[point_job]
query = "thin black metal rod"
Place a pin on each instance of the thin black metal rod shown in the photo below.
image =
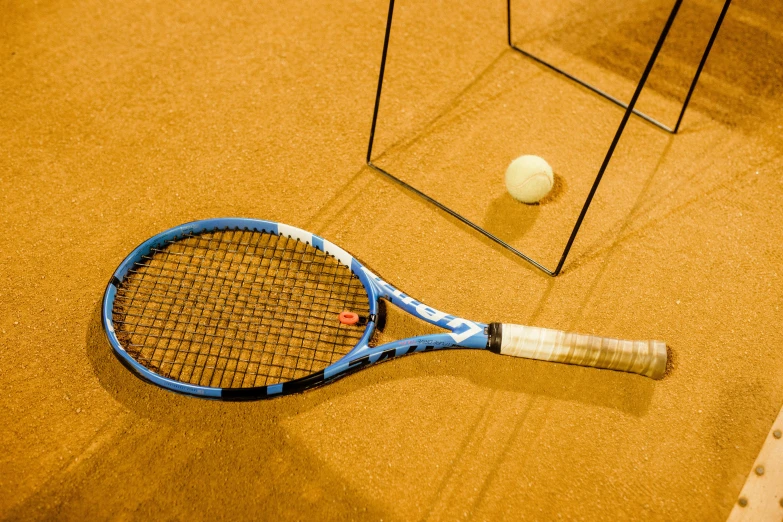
(619, 132)
(380, 79)
(594, 89)
(463, 219)
(702, 62)
(508, 20)
(581, 82)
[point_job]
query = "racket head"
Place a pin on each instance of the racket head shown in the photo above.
(174, 351)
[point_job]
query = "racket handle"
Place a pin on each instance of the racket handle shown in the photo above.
(646, 358)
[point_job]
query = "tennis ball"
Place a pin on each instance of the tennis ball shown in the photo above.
(529, 178)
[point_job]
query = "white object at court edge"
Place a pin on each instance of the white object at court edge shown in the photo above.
(529, 178)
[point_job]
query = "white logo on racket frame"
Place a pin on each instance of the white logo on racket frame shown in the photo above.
(429, 313)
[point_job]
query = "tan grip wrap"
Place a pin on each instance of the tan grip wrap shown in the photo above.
(646, 358)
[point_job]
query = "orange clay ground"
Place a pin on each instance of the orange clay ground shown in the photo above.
(121, 119)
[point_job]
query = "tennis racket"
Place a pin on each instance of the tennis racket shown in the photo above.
(237, 309)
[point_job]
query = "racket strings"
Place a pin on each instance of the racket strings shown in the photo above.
(240, 358)
(237, 308)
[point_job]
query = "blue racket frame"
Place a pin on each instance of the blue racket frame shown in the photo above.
(462, 333)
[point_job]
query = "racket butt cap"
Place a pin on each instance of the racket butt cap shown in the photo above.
(660, 358)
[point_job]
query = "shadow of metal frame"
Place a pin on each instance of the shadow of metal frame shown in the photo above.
(629, 110)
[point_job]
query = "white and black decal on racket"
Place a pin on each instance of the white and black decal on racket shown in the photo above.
(237, 309)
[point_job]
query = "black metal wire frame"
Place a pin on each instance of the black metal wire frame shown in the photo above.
(629, 109)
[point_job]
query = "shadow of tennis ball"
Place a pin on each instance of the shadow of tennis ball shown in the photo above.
(509, 219)
(558, 189)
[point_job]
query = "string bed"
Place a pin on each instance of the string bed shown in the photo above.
(237, 309)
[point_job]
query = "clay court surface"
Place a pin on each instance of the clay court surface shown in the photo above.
(121, 119)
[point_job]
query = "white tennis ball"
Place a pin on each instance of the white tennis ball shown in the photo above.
(529, 178)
